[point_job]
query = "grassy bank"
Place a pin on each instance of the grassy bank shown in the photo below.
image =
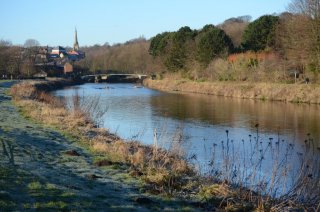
(42, 169)
(163, 173)
(298, 93)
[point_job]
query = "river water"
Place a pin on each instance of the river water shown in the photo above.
(244, 141)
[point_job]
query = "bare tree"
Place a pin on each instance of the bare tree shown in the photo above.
(293, 39)
(31, 43)
(15, 61)
(5, 43)
(4, 57)
(131, 57)
(299, 34)
(31, 49)
(309, 8)
(234, 28)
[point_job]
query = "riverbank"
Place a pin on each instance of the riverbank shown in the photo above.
(48, 163)
(159, 172)
(297, 93)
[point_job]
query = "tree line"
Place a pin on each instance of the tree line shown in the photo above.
(269, 48)
(128, 57)
(18, 61)
(171, 51)
(266, 49)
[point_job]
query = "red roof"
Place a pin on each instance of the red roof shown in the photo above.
(72, 52)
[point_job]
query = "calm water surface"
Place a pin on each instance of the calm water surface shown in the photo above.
(137, 112)
(207, 125)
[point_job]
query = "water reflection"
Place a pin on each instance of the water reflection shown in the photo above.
(294, 120)
(220, 135)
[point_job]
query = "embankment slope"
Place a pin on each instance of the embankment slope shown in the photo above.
(299, 93)
(43, 169)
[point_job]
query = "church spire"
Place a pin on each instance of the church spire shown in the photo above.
(76, 44)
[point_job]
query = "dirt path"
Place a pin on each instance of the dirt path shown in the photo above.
(36, 173)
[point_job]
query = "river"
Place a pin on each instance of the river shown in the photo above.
(243, 141)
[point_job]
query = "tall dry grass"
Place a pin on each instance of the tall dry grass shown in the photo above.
(274, 169)
(297, 93)
(156, 165)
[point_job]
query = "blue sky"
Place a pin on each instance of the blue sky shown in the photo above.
(52, 22)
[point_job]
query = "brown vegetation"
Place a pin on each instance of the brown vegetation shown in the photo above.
(298, 93)
(131, 57)
(47, 109)
(234, 28)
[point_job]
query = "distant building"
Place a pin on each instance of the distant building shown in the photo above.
(43, 51)
(73, 55)
(58, 61)
(58, 50)
(76, 54)
(68, 68)
(76, 44)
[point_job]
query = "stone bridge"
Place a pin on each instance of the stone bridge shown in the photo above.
(115, 78)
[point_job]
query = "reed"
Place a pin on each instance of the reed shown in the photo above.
(272, 168)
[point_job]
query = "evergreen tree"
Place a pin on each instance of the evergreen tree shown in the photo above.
(260, 34)
(159, 43)
(212, 42)
(179, 51)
